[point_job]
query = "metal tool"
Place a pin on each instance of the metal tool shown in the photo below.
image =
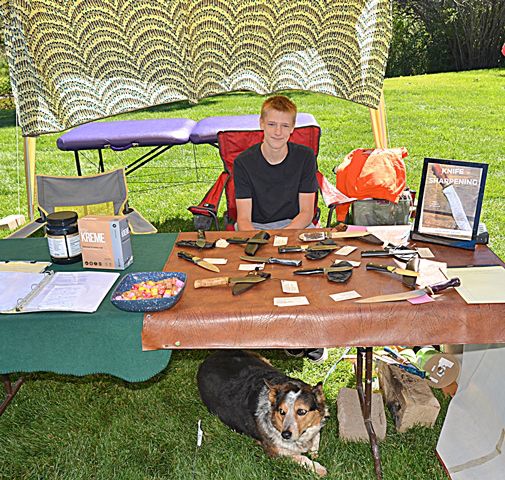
(197, 261)
(200, 242)
(239, 284)
(395, 297)
(391, 269)
(290, 262)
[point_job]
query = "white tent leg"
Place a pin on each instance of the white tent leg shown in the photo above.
(29, 147)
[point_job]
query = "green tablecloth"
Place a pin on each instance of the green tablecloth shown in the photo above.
(107, 341)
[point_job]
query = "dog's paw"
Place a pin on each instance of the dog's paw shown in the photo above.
(310, 464)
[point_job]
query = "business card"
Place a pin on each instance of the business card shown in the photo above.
(290, 286)
(338, 297)
(345, 250)
(216, 261)
(280, 241)
(247, 267)
(290, 301)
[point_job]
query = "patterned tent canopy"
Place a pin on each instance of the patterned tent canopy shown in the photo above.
(74, 61)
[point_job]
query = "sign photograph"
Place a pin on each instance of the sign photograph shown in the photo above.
(450, 202)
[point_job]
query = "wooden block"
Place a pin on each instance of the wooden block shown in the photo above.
(11, 222)
(351, 425)
(408, 397)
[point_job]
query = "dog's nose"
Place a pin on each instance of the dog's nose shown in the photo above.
(286, 434)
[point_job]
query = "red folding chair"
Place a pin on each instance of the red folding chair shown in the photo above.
(231, 144)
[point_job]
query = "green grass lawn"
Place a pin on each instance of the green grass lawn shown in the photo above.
(99, 427)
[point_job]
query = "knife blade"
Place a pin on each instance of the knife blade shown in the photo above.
(290, 262)
(389, 252)
(197, 261)
(201, 241)
(395, 297)
(412, 264)
(306, 248)
(391, 269)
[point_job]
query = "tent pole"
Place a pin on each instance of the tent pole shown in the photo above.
(29, 146)
(379, 126)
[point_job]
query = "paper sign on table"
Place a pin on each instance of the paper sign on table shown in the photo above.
(425, 252)
(338, 297)
(345, 250)
(280, 241)
(354, 263)
(222, 243)
(216, 261)
(251, 266)
(290, 301)
(290, 286)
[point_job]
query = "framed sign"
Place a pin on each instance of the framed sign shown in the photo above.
(450, 202)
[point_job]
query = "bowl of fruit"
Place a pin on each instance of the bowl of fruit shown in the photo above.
(148, 291)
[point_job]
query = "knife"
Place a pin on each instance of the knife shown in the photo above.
(325, 270)
(388, 252)
(318, 236)
(255, 242)
(395, 297)
(200, 242)
(303, 248)
(457, 210)
(239, 284)
(197, 261)
(391, 269)
(290, 262)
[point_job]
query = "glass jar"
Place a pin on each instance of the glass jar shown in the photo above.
(63, 237)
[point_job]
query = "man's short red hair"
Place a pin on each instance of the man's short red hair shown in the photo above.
(279, 103)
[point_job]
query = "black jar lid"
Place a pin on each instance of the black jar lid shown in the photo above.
(61, 219)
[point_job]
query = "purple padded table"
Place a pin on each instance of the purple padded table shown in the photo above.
(161, 134)
(206, 130)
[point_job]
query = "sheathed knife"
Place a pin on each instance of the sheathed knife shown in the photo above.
(303, 248)
(197, 261)
(395, 297)
(391, 269)
(290, 262)
(239, 284)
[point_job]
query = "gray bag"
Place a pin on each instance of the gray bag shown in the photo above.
(374, 211)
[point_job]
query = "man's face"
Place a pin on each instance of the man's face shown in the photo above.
(277, 127)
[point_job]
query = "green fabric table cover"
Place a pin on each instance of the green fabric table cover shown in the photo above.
(70, 343)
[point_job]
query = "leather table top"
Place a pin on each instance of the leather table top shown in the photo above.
(214, 318)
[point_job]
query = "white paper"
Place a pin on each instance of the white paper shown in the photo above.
(216, 261)
(222, 243)
(247, 267)
(280, 241)
(394, 234)
(338, 297)
(480, 284)
(290, 286)
(64, 291)
(290, 301)
(354, 263)
(345, 250)
(425, 252)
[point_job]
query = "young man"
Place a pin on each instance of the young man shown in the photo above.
(275, 181)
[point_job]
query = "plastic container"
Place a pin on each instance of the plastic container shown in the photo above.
(63, 237)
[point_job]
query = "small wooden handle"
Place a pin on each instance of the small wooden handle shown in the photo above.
(211, 282)
(439, 287)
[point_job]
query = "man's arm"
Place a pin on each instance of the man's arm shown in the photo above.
(244, 214)
(306, 205)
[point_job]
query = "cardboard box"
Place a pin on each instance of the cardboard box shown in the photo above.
(105, 242)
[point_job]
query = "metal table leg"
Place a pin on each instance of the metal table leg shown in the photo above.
(10, 391)
(365, 399)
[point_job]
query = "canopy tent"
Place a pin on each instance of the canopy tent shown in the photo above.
(76, 61)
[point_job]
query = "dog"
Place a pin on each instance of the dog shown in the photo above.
(284, 414)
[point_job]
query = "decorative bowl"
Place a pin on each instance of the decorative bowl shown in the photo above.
(146, 304)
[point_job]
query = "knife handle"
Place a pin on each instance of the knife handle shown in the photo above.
(286, 262)
(290, 249)
(186, 256)
(438, 287)
(375, 253)
(377, 267)
(211, 282)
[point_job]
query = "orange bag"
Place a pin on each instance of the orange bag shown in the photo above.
(367, 173)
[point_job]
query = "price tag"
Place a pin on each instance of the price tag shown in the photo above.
(222, 243)
(290, 286)
(280, 241)
(216, 261)
(290, 301)
(338, 297)
(251, 266)
(425, 252)
(345, 250)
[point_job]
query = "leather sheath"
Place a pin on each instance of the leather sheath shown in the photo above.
(214, 318)
(252, 247)
(192, 244)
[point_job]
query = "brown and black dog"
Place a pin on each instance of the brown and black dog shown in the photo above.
(284, 414)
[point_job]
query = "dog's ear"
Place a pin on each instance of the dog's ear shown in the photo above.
(318, 393)
(272, 391)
